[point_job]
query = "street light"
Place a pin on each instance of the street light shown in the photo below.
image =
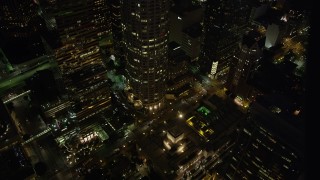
(180, 115)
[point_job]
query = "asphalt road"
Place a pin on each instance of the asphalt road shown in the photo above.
(18, 79)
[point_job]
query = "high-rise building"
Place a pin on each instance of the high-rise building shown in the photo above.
(117, 36)
(177, 60)
(274, 35)
(145, 27)
(224, 23)
(179, 79)
(80, 26)
(182, 17)
(271, 21)
(20, 26)
(248, 58)
(191, 41)
(264, 149)
(115, 9)
(185, 27)
(15, 16)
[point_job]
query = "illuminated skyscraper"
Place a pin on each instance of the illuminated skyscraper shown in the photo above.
(81, 24)
(145, 26)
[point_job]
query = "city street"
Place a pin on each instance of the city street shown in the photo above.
(14, 81)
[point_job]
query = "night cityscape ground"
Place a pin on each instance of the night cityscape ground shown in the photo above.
(153, 89)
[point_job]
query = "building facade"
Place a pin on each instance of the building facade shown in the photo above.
(145, 27)
(15, 17)
(20, 26)
(224, 23)
(81, 26)
(248, 59)
(263, 149)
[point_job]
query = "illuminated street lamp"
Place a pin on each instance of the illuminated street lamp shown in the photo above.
(180, 115)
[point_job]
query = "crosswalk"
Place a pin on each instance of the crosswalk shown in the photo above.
(16, 97)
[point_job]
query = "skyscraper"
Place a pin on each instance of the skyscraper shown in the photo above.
(81, 26)
(264, 149)
(15, 17)
(20, 27)
(117, 35)
(224, 23)
(248, 58)
(115, 9)
(185, 27)
(145, 27)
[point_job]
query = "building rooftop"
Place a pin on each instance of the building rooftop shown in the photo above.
(275, 124)
(181, 90)
(248, 41)
(194, 30)
(176, 53)
(221, 118)
(175, 132)
(167, 159)
(258, 150)
(184, 8)
(289, 108)
(179, 78)
(250, 38)
(271, 16)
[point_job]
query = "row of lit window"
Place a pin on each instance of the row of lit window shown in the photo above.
(136, 50)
